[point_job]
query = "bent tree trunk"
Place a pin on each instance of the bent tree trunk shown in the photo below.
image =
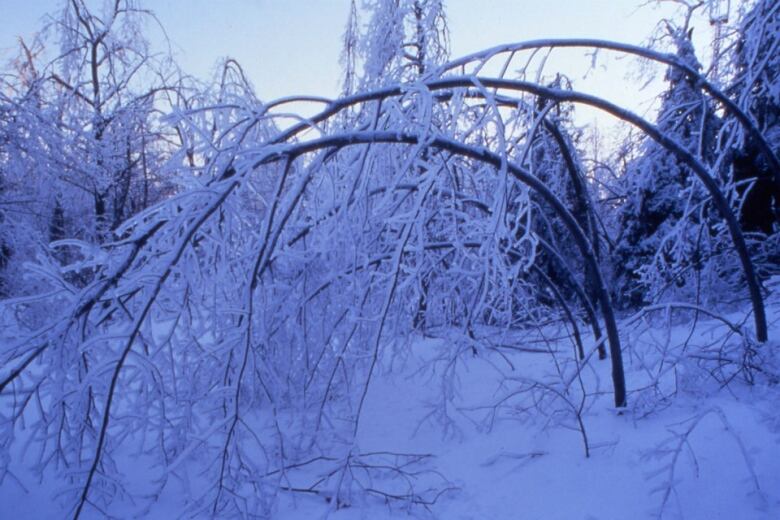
(521, 175)
(479, 86)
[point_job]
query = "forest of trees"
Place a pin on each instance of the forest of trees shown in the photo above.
(179, 262)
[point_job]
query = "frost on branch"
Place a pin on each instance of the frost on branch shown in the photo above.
(233, 330)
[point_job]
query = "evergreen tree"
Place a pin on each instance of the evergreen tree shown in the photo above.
(757, 87)
(656, 239)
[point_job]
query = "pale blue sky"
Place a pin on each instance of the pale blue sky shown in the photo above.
(292, 46)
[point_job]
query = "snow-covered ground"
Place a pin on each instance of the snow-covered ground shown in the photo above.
(494, 432)
(704, 453)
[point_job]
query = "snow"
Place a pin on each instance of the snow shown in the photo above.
(529, 469)
(434, 396)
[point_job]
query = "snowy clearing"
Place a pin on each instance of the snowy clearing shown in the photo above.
(476, 428)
